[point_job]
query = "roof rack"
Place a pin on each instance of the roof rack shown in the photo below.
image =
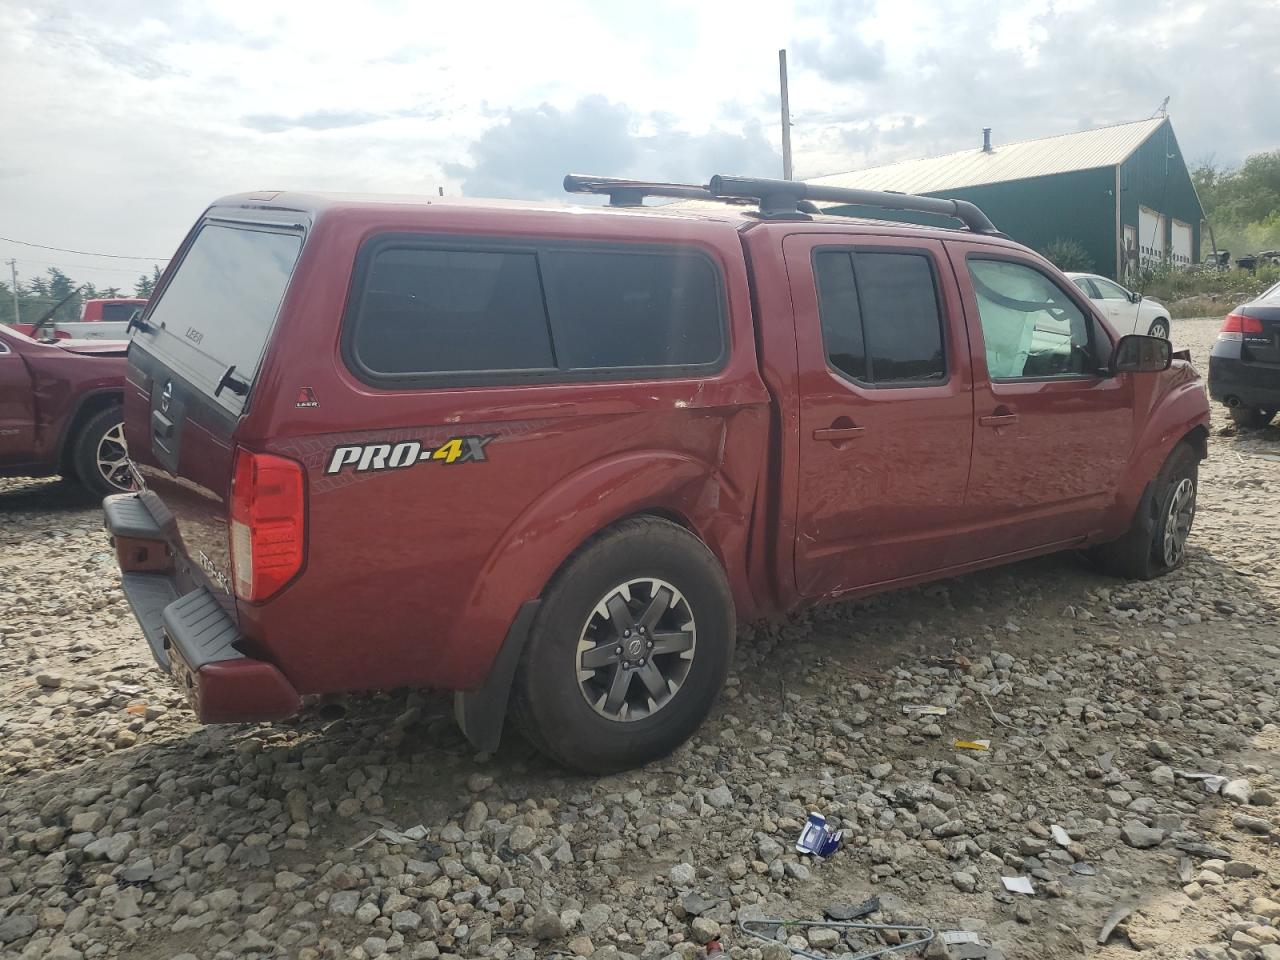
(782, 198)
(778, 199)
(631, 193)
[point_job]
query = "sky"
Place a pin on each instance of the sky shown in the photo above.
(122, 119)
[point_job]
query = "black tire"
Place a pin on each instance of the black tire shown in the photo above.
(1141, 553)
(1255, 417)
(92, 436)
(550, 704)
(1160, 327)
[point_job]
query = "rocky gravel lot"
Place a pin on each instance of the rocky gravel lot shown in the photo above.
(128, 831)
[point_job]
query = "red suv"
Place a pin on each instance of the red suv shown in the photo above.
(549, 456)
(60, 410)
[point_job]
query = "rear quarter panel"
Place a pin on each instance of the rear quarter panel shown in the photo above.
(413, 576)
(62, 381)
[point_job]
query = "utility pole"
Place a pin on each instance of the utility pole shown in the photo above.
(786, 116)
(13, 272)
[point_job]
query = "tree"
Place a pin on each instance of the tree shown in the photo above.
(146, 285)
(62, 287)
(1242, 204)
(1066, 253)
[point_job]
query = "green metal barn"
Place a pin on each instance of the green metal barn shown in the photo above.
(1123, 192)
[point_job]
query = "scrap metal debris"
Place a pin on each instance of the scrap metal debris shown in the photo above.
(1018, 885)
(1117, 916)
(923, 710)
(392, 834)
(766, 931)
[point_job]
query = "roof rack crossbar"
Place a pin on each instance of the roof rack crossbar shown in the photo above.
(782, 197)
(631, 193)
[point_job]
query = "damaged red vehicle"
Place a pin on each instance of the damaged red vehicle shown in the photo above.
(549, 456)
(61, 411)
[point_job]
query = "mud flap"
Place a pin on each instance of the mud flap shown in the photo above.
(480, 713)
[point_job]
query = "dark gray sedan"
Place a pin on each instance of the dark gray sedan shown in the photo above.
(1244, 365)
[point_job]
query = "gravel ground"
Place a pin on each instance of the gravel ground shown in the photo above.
(128, 831)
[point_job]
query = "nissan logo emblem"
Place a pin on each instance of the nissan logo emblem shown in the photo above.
(166, 397)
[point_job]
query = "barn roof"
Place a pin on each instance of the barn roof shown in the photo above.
(1020, 160)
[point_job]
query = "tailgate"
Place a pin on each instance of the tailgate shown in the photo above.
(192, 368)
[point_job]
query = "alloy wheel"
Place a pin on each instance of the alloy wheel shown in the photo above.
(1177, 522)
(636, 649)
(112, 458)
(1159, 329)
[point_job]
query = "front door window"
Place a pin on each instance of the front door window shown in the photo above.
(1031, 328)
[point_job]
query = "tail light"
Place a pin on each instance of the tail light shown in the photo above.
(1236, 325)
(268, 521)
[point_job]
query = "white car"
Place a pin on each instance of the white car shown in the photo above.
(1128, 312)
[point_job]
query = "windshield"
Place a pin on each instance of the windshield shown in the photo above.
(220, 307)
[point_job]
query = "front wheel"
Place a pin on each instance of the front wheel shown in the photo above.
(1255, 417)
(1159, 328)
(100, 456)
(628, 651)
(1156, 542)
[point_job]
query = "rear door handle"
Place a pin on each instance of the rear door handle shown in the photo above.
(998, 420)
(836, 434)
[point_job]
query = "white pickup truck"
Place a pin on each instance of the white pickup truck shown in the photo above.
(100, 319)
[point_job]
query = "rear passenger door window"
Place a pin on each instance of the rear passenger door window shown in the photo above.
(881, 322)
(618, 310)
(479, 314)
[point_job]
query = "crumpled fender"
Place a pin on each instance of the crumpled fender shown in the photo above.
(1168, 406)
(540, 540)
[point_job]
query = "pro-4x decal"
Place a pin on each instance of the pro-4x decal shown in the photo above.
(364, 457)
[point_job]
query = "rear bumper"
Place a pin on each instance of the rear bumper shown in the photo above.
(190, 634)
(1232, 379)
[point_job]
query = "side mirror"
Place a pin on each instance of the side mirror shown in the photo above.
(1141, 354)
(1135, 297)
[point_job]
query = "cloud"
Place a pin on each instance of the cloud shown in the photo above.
(325, 119)
(87, 41)
(1029, 70)
(187, 100)
(528, 152)
(840, 51)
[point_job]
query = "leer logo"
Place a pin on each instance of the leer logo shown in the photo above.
(306, 398)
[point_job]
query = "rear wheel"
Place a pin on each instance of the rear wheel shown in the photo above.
(1256, 417)
(1159, 328)
(101, 457)
(1157, 540)
(628, 651)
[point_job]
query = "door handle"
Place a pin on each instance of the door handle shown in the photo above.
(161, 425)
(998, 420)
(836, 434)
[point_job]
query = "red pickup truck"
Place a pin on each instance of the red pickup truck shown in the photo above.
(551, 455)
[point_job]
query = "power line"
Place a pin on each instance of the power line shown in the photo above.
(134, 271)
(84, 253)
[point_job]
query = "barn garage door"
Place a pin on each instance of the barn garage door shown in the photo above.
(1180, 247)
(1151, 231)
